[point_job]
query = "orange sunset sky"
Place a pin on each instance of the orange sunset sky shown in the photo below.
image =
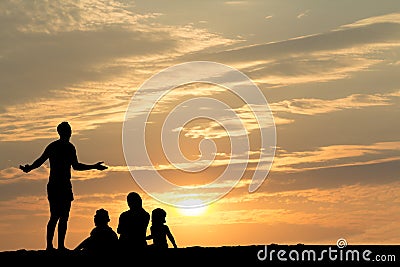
(328, 69)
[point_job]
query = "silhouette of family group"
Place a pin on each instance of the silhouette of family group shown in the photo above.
(132, 228)
(132, 224)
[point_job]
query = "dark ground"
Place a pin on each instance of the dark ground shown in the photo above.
(211, 256)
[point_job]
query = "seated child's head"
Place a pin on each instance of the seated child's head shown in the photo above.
(158, 215)
(101, 217)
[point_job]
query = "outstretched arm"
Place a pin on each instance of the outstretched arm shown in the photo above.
(37, 163)
(83, 167)
(171, 238)
(78, 166)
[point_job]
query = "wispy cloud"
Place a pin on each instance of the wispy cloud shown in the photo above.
(333, 156)
(15, 175)
(336, 156)
(87, 64)
(314, 106)
(303, 14)
(338, 53)
(61, 16)
(321, 57)
(319, 207)
(86, 110)
(235, 3)
(386, 18)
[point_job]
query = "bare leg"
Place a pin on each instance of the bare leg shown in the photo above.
(51, 227)
(62, 231)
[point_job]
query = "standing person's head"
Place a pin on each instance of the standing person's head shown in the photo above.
(101, 217)
(134, 200)
(64, 130)
(158, 216)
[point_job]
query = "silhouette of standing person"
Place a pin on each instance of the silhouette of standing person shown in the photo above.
(132, 224)
(62, 156)
(102, 240)
(159, 231)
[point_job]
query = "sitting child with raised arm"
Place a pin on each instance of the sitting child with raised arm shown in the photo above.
(159, 231)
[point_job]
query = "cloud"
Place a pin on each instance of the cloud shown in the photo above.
(335, 156)
(85, 108)
(324, 158)
(337, 40)
(303, 14)
(310, 106)
(322, 207)
(51, 45)
(314, 106)
(84, 56)
(320, 57)
(386, 18)
(60, 16)
(15, 175)
(331, 209)
(235, 3)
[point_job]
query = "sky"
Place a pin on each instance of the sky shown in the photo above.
(329, 71)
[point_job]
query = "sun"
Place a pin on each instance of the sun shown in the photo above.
(195, 211)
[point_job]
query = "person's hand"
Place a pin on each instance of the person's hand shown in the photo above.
(25, 168)
(99, 166)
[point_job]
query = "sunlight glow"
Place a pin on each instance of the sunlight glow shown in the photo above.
(195, 211)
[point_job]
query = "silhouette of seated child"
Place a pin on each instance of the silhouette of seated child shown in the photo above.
(102, 239)
(159, 231)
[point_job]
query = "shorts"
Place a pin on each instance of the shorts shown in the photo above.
(59, 192)
(60, 199)
(60, 208)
